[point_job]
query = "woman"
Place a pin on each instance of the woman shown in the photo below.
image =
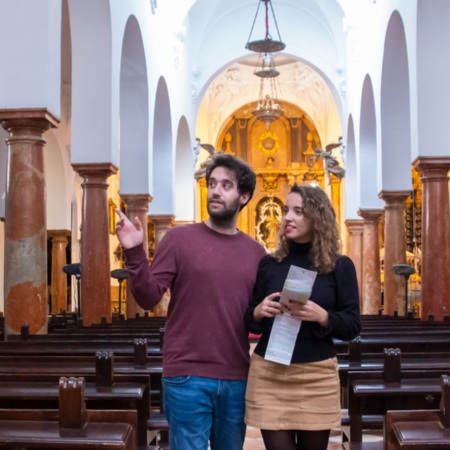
(297, 405)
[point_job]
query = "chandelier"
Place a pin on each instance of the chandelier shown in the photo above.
(266, 45)
(268, 109)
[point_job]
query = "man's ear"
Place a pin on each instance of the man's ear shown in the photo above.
(244, 198)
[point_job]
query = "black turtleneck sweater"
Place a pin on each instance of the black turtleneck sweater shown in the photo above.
(337, 292)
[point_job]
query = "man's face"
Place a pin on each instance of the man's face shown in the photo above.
(224, 199)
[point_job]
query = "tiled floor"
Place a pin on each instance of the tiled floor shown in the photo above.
(253, 440)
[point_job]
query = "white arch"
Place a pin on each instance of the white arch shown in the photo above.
(352, 180)
(368, 160)
(395, 110)
(163, 161)
(184, 174)
(134, 113)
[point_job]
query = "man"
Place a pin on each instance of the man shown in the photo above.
(210, 268)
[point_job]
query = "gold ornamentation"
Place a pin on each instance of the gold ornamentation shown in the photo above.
(270, 182)
(269, 214)
(268, 142)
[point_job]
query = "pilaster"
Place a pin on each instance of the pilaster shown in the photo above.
(355, 229)
(371, 287)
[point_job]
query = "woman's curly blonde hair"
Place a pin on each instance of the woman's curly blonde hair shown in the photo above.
(325, 243)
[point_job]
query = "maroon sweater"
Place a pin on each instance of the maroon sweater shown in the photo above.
(211, 277)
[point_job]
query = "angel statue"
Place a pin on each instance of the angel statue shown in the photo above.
(201, 172)
(331, 163)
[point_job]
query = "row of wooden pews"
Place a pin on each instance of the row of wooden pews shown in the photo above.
(71, 426)
(120, 372)
(396, 364)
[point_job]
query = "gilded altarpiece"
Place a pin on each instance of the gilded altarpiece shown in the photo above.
(281, 155)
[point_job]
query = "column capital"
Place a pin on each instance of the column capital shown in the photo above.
(432, 167)
(162, 219)
(137, 201)
(87, 170)
(394, 196)
(354, 225)
(59, 235)
(370, 214)
(22, 118)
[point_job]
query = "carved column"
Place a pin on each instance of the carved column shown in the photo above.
(25, 282)
(137, 206)
(371, 292)
(435, 236)
(95, 261)
(162, 223)
(59, 278)
(355, 249)
(394, 249)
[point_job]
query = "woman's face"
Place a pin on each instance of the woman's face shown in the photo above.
(297, 227)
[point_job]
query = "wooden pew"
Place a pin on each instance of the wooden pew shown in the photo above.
(73, 427)
(420, 429)
(372, 393)
(19, 359)
(102, 369)
(104, 390)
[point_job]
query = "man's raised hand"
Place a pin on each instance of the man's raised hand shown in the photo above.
(129, 234)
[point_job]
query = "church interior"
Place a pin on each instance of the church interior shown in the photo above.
(109, 104)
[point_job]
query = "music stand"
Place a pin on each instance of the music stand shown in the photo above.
(75, 270)
(120, 275)
(406, 271)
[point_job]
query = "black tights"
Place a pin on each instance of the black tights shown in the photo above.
(295, 439)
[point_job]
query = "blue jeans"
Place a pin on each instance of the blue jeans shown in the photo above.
(201, 409)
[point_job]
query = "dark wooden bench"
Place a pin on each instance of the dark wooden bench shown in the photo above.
(372, 393)
(104, 390)
(420, 429)
(72, 427)
(104, 368)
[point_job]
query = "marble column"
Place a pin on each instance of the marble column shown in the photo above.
(394, 250)
(95, 260)
(162, 223)
(435, 236)
(371, 287)
(59, 278)
(25, 271)
(355, 249)
(136, 206)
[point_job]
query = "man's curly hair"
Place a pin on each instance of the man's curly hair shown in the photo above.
(246, 178)
(325, 244)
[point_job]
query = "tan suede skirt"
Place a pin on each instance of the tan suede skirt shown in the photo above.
(295, 397)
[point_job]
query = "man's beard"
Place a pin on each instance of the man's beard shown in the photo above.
(226, 214)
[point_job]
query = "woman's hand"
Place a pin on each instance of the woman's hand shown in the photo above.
(268, 307)
(309, 311)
